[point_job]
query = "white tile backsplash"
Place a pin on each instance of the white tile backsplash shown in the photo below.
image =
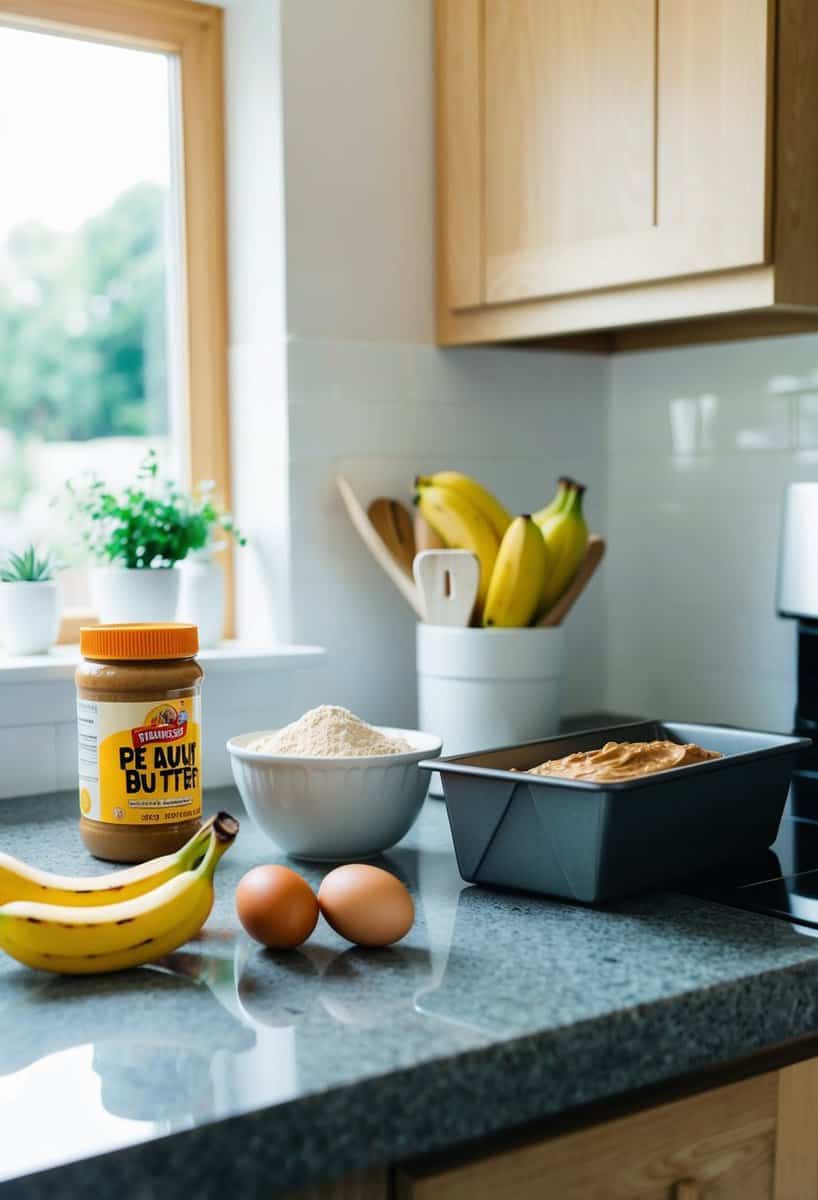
(806, 417)
(36, 703)
(39, 750)
(686, 452)
(702, 443)
(383, 412)
(29, 757)
(65, 744)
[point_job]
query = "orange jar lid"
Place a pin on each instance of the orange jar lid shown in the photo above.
(128, 642)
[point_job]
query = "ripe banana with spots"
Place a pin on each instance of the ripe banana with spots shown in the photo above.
(19, 881)
(481, 498)
(70, 940)
(566, 536)
(462, 527)
(518, 579)
(562, 493)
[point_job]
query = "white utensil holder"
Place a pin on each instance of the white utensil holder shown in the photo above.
(481, 688)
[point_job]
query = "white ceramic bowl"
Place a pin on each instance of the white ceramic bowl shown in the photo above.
(333, 808)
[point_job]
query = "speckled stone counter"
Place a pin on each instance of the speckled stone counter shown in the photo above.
(232, 1070)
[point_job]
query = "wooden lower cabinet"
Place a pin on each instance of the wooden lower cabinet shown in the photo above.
(716, 1146)
(752, 1140)
(796, 1149)
(363, 1185)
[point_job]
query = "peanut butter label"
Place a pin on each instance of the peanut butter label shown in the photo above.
(139, 763)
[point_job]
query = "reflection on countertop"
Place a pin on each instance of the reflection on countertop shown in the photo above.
(497, 1008)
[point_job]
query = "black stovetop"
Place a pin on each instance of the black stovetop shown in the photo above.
(781, 881)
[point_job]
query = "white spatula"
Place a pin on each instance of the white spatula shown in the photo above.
(447, 582)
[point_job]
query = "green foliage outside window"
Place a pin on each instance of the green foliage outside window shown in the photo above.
(82, 324)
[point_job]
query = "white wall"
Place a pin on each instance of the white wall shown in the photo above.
(258, 326)
(702, 442)
(359, 153)
(366, 390)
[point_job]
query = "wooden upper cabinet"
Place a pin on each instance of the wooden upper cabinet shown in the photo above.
(569, 144)
(607, 165)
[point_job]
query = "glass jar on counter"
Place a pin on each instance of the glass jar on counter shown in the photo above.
(139, 737)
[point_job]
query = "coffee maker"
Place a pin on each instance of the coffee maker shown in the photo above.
(783, 880)
(798, 598)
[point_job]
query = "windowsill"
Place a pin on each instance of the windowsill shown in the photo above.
(61, 663)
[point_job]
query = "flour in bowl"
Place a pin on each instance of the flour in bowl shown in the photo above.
(329, 732)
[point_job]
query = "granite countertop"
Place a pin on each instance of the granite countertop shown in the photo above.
(231, 1067)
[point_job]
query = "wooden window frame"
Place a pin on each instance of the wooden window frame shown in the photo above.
(194, 33)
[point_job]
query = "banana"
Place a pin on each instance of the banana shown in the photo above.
(518, 578)
(19, 881)
(497, 516)
(566, 536)
(564, 484)
(82, 941)
(462, 527)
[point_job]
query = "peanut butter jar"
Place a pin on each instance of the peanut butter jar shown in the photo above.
(139, 735)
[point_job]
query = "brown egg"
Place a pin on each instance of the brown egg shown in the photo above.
(276, 906)
(366, 905)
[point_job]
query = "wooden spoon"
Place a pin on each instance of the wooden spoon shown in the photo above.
(426, 538)
(593, 557)
(376, 547)
(394, 526)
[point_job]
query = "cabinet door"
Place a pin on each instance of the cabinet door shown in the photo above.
(716, 1146)
(622, 141)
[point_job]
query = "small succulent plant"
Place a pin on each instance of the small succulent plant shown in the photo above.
(28, 567)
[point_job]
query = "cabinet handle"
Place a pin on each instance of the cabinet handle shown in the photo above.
(686, 1189)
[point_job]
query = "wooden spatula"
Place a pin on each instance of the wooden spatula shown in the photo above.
(377, 549)
(425, 537)
(394, 527)
(447, 583)
(593, 557)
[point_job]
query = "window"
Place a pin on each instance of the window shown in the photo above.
(113, 323)
(90, 345)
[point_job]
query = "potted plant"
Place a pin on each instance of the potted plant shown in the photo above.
(201, 592)
(138, 536)
(29, 603)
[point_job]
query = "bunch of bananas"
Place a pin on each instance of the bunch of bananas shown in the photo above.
(526, 562)
(78, 926)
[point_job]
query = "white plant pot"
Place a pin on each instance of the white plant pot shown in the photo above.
(130, 594)
(483, 688)
(201, 599)
(29, 616)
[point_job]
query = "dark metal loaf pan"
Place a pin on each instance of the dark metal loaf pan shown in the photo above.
(593, 841)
